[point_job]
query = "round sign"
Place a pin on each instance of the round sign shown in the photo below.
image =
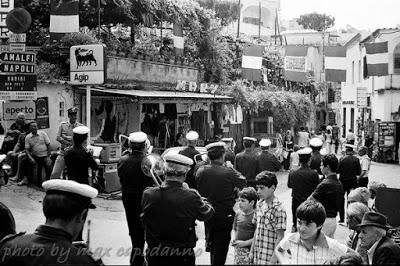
(41, 106)
(18, 20)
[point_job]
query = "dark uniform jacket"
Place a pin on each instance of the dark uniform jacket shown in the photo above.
(7, 222)
(47, 246)
(190, 152)
(386, 253)
(315, 162)
(132, 178)
(349, 169)
(303, 182)
(267, 161)
(330, 193)
(246, 163)
(217, 183)
(169, 215)
(78, 161)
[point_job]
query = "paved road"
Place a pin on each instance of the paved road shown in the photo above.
(109, 232)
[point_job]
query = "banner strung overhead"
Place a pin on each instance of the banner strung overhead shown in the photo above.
(295, 63)
(252, 62)
(377, 59)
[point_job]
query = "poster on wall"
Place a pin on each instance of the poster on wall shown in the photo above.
(42, 112)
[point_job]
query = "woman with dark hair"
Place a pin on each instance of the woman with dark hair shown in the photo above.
(78, 159)
(288, 144)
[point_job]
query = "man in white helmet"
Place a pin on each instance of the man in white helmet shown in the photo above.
(191, 152)
(133, 183)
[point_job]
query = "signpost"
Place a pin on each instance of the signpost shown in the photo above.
(17, 76)
(87, 67)
(5, 7)
(362, 96)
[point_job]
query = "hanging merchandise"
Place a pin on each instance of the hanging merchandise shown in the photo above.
(170, 111)
(239, 114)
(162, 108)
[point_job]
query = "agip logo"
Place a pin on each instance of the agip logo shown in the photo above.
(87, 64)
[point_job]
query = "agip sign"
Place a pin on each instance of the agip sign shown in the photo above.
(87, 64)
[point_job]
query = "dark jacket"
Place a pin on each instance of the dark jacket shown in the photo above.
(386, 253)
(267, 161)
(133, 180)
(44, 241)
(78, 161)
(7, 222)
(246, 163)
(330, 193)
(169, 213)
(191, 153)
(217, 183)
(315, 162)
(303, 182)
(349, 168)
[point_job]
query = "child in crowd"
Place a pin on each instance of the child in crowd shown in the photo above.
(309, 245)
(243, 226)
(294, 159)
(270, 220)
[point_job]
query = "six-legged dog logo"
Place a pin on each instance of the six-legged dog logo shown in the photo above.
(84, 57)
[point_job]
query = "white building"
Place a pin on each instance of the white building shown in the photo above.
(381, 94)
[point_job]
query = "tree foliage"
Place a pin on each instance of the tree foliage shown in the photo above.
(316, 21)
(226, 11)
(289, 109)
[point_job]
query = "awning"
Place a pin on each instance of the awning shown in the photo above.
(162, 96)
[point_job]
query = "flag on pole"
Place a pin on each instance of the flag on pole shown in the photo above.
(377, 59)
(335, 63)
(295, 63)
(64, 16)
(252, 62)
(179, 41)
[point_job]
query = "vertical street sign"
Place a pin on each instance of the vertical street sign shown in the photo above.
(362, 96)
(5, 7)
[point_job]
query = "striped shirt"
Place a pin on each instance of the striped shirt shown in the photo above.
(324, 251)
(269, 218)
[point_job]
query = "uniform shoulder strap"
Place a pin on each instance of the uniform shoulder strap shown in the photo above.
(11, 237)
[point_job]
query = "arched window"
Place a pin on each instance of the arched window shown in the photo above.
(396, 57)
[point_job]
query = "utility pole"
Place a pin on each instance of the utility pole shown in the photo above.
(99, 19)
(259, 20)
(238, 26)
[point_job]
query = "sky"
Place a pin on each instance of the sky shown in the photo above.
(361, 14)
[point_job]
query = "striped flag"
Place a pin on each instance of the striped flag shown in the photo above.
(64, 16)
(295, 63)
(335, 63)
(377, 59)
(179, 41)
(252, 62)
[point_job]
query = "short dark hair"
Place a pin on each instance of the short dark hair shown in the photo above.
(63, 205)
(311, 211)
(247, 143)
(138, 146)
(216, 153)
(332, 161)
(250, 194)
(301, 128)
(266, 178)
(304, 158)
(78, 139)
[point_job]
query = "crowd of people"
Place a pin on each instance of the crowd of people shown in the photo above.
(229, 192)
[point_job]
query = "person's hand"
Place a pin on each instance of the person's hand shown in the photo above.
(238, 243)
(228, 164)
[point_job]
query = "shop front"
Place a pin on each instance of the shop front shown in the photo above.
(160, 114)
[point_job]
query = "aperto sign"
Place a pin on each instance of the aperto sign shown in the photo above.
(87, 64)
(11, 109)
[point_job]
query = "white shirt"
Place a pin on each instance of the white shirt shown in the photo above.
(365, 162)
(325, 250)
(304, 137)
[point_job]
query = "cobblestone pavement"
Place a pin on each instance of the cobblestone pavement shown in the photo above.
(109, 232)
